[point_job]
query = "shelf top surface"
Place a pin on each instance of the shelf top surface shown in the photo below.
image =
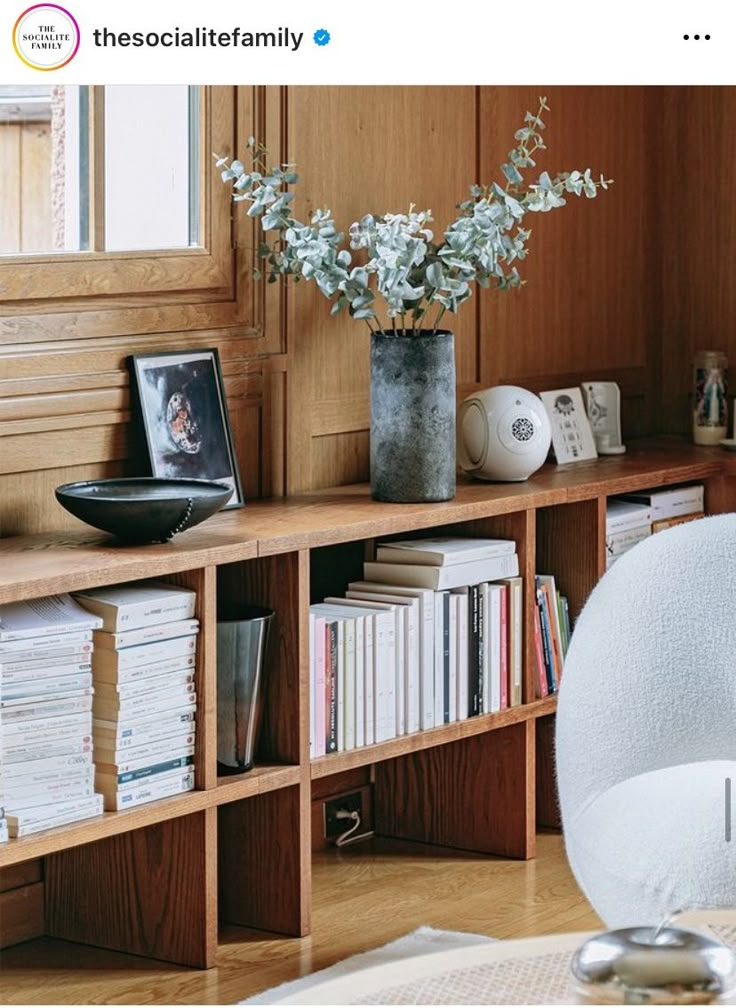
(43, 564)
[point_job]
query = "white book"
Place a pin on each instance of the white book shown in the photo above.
(621, 542)
(45, 767)
(670, 502)
(439, 664)
(111, 661)
(493, 637)
(462, 656)
(25, 823)
(338, 615)
(138, 604)
(124, 765)
(37, 797)
(440, 578)
(162, 700)
(106, 753)
(4, 835)
(14, 784)
(312, 701)
(318, 664)
(443, 551)
(45, 687)
(59, 748)
(16, 733)
(42, 707)
(393, 667)
(39, 666)
(411, 637)
(452, 680)
(43, 617)
(145, 635)
(144, 728)
(485, 650)
(425, 628)
(360, 622)
(622, 515)
(144, 673)
(516, 639)
(149, 790)
(145, 687)
(59, 643)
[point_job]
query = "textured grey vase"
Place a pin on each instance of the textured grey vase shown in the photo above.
(412, 416)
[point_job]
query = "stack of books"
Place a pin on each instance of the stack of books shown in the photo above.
(46, 695)
(431, 635)
(143, 668)
(552, 631)
(635, 516)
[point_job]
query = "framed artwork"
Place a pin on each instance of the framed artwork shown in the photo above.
(572, 437)
(184, 417)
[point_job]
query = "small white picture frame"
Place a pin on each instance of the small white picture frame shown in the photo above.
(572, 437)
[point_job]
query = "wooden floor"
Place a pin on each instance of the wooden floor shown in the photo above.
(364, 896)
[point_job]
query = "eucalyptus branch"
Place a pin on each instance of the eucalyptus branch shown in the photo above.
(403, 264)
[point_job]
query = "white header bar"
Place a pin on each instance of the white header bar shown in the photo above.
(166, 42)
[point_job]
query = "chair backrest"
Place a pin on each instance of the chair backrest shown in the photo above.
(650, 676)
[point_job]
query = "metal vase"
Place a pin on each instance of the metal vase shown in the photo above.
(241, 647)
(412, 437)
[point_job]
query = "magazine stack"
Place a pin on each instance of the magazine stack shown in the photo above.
(46, 695)
(145, 697)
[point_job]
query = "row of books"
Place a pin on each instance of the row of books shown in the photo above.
(630, 518)
(46, 692)
(419, 642)
(97, 702)
(143, 667)
(552, 631)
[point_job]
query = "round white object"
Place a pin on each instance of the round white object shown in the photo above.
(503, 433)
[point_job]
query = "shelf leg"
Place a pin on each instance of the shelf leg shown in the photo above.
(265, 861)
(474, 794)
(149, 891)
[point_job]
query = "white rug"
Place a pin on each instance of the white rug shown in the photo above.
(424, 939)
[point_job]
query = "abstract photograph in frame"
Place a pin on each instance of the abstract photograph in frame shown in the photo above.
(185, 417)
(572, 436)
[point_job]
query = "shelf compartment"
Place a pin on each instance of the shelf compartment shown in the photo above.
(324, 766)
(475, 794)
(151, 892)
(264, 861)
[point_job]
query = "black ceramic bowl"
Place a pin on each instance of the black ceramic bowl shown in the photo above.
(143, 509)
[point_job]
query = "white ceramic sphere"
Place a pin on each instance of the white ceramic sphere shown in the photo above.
(503, 433)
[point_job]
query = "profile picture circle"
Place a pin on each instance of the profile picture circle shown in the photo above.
(46, 37)
(181, 424)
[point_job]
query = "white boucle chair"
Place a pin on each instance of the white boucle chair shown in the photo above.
(646, 729)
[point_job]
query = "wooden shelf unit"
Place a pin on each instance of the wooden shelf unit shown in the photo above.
(146, 880)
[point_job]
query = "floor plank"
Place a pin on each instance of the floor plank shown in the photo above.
(364, 896)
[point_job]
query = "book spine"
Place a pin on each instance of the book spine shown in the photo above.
(161, 700)
(331, 693)
(445, 657)
(21, 825)
(145, 635)
(452, 681)
(37, 798)
(149, 790)
(15, 733)
(546, 642)
(136, 615)
(43, 709)
(127, 776)
(516, 599)
(133, 756)
(319, 686)
(370, 679)
(28, 688)
(426, 685)
(411, 663)
(145, 687)
(144, 654)
(348, 684)
(360, 623)
(140, 730)
(439, 664)
(45, 768)
(494, 597)
(47, 642)
(504, 638)
(484, 648)
(475, 674)
(142, 673)
(45, 668)
(463, 631)
(542, 684)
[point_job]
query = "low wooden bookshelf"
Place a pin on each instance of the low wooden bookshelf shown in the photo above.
(155, 880)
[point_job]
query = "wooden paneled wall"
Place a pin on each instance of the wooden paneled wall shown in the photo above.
(623, 287)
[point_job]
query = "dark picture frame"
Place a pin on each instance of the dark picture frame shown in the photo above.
(184, 417)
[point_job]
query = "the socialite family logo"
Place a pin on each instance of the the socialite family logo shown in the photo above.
(46, 37)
